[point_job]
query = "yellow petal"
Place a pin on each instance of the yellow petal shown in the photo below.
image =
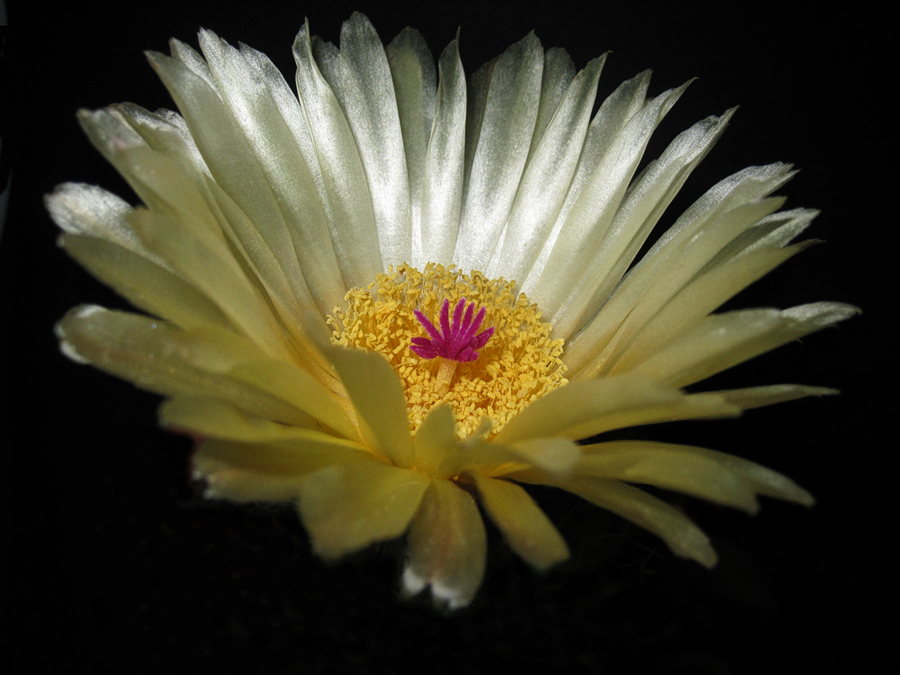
(583, 409)
(673, 467)
(205, 261)
(447, 546)
(345, 508)
(682, 536)
(755, 397)
(700, 297)
(143, 282)
(760, 479)
(435, 443)
(214, 418)
(158, 356)
(525, 527)
(266, 471)
(377, 396)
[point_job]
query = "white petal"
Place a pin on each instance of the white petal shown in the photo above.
(547, 177)
(353, 231)
(503, 105)
(442, 188)
(724, 340)
(257, 98)
(415, 85)
(360, 77)
(90, 210)
(709, 225)
(591, 216)
(645, 202)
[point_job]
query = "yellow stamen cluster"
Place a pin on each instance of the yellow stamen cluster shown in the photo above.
(519, 364)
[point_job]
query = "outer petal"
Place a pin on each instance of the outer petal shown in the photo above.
(672, 467)
(213, 418)
(210, 362)
(547, 177)
(583, 409)
(724, 340)
(347, 507)
(267, 471)
(645, 202)
(695, 301)
(442, 187)
(525, 527)
(703, 231)
(230, 154)
(256, 96)
(360, 77)
(353, 230)
(682, 536)
(503, 107)
(447, 546)
(585, 225)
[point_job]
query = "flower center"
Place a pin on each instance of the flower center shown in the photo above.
(493, 373)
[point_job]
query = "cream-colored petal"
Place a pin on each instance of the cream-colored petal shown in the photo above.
(442, 188)
(669, 279)
(646, 200)
(88, 210)
(349, 201)
(436, 448)
(673, 467)
(709, 225)
(144, 283)
(360, 77)
(614, 113)
(213, 418)
(721, 341)
(556, 80)
(255, 95)
(547, 177)
(266, 471)
(592, 214)
(447, 547)
(207, 264)
(503, 106)
(556, 456)
(229, 152)
(158, 159)
(760, 479)
(415, 84)
(681, 535)
(347, 507)
(525, 527)
(695, 301)
(156, 355)
(377, 396)
(582, 409)
(755, 397)
(165, 168)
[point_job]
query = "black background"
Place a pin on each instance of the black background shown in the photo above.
(119, 568)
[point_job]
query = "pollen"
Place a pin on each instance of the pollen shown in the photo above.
(503, 356)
